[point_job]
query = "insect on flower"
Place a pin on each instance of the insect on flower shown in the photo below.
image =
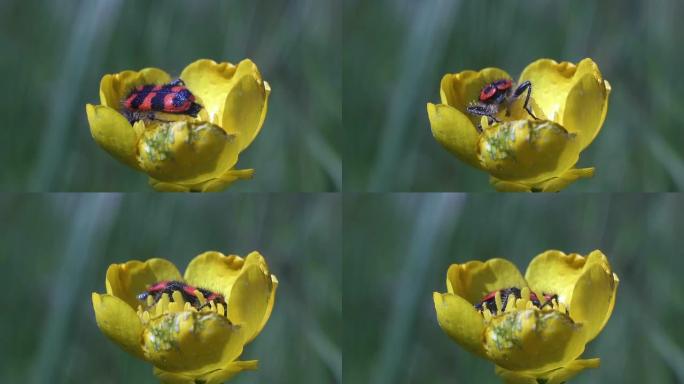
(144, 101)
(187, 291)
(497, 93)
(489, 301)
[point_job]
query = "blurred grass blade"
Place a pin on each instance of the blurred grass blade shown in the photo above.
(426, 40)
(93, 25)
(667, 156)
(93, 217)
(438, 214)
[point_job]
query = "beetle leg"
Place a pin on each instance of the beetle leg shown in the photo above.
(526, 86)
(480, 109)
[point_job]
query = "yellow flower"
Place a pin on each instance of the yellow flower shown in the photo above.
(521, 153)
(532, 328)
(188, 343)
(179, 152)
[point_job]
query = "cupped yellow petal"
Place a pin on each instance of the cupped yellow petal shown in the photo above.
(126, 281)
(114, 133)
(526, 150)
(252, 296)
(555, 272)
(214, 271)
(554, 184)
(553, 81)
(115, 87)
(119, 322)
(186, 152)
(531, 339)
(460, 89)
(585, 108)
(475, 279)
(190, 342)
(245, 105)
(593, 298)
(460, 320)
(515, 377)
(215, 377)
(455, 132)
(212, 82)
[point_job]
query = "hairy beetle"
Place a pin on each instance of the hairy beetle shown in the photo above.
(144, 100)
(188, 291)
(489, 301)
(497, 93)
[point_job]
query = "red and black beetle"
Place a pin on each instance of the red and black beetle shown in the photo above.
(144, 100)
(187, 291)
(497, 93)
(489, 301)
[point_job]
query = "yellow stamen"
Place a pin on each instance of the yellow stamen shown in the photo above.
(510, 304)
(487, 315)
(150, 301)
(497, 299)
(220, 309)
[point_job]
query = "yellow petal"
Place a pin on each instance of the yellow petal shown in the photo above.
(460, 89)
(190, 342)
(252, 296)
(533, 340)
(475, 279)
(528, 151)
(593, 298)
(127, 281)
(214, 271)
(212, 82)
(556, 376)
(585, 108)
(245, 106)
(119, 322)
(460, 320)
(222, 182)
(114, 133)
(215, 377)
(568, 177)
(114, 88)
(569, 371)
(455, 132)
(554, 184)
(212, 185)
(555, 272)
(515, 377)
(552, 82)
(186, 152)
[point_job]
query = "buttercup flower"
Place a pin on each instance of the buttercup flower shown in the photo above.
(533, 328)
(179, 152)
(519, 152)
(188, 339)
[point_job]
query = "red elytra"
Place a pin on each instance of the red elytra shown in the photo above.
(494, 88)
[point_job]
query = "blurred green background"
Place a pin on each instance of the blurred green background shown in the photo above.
(56, 52)
(55, 250)
(398, 249)
(396, 52)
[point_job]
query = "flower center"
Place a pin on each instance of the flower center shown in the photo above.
(511, 298)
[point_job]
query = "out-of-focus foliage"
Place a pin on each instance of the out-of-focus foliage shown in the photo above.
(56, 52)
(396, 51)
(397, 248)
(55, 250)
